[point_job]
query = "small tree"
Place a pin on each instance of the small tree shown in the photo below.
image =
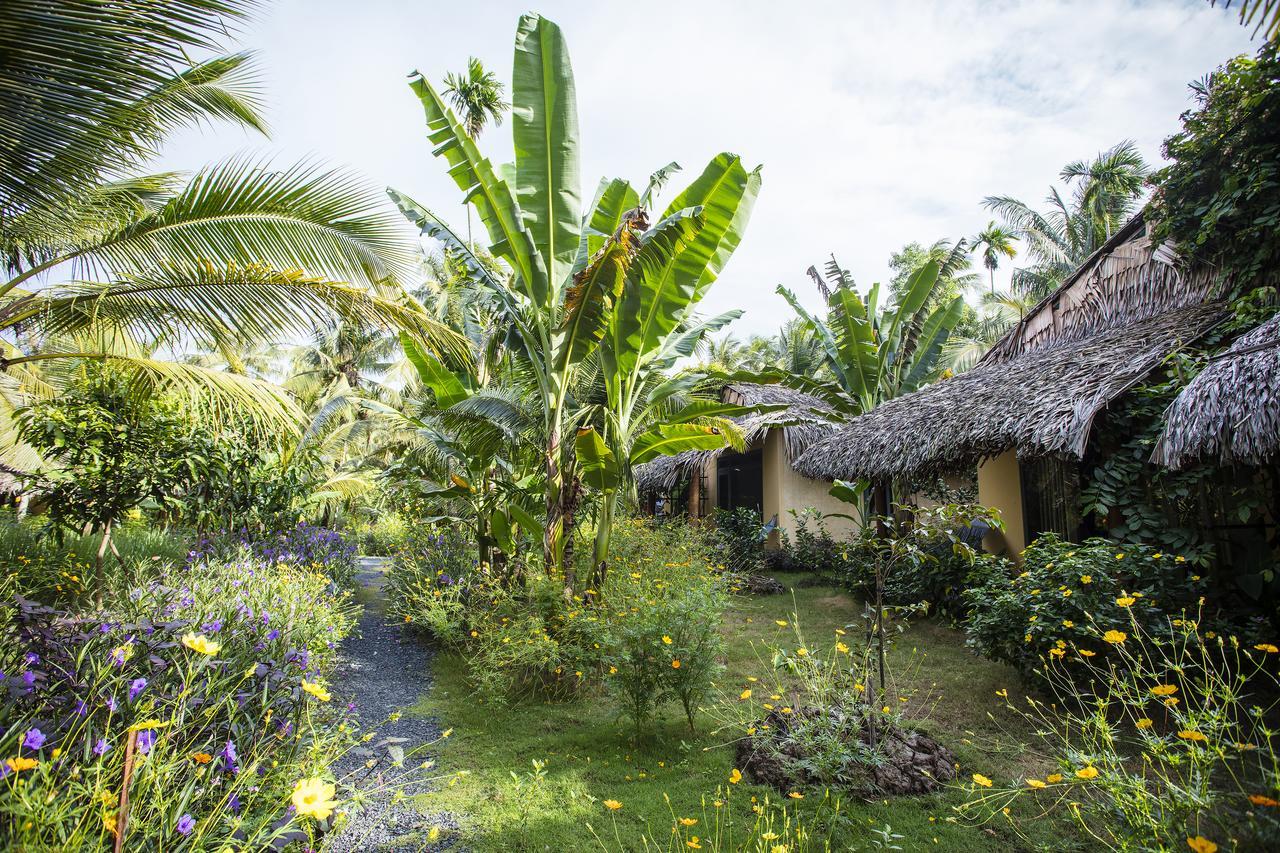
(111, 449)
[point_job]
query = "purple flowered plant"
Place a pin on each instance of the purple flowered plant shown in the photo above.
(185, 824)
(136, 687)
(146, 740)
(34, 740)
(101, 746)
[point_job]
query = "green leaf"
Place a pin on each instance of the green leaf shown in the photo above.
(526, 520)
(436, 228)
(447, 387)
(715, 409)
(613, 199)
(599, 467)
(670, 439)
(545, 131)
(589, 301)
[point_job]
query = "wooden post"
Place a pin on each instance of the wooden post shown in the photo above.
(122, 817)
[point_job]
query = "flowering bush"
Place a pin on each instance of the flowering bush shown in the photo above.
(651, 633)
(303, 546)
(194, 712)
(1165, 744)
(1068, 597)
(384, 535)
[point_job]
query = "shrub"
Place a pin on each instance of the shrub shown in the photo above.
(303, 546)
(383, 535)
(738, 540)
(1165, 742)
(814, 549)
(1069, 596)
(203, 698)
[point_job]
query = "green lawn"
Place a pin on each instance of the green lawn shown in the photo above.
(589, 756)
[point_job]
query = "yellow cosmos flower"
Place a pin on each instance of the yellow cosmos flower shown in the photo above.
(1200, 844)
(693, 843)
(1089, 772)
(842, 648)
(1164, 690)
(314, 798)
(1261, 800)
(20, 763)
(1269, 648)
(1144, 723)
(1126, 600)
(316, 690)
(1035, 783)
(1053, 778)
(666, 640)
(979, 779)
(1192, 734)
(1115, 637)
(612, 805)
(1086, 653)
(746, 694)
(781, 623)
(1067, 623)
(1086, 579)
(796, 795)
(675, 664)
(200, 643)
(802, 652)
(735, 777)
(688, 821)
(201, 757)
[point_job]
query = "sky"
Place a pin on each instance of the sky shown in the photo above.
(876, 123)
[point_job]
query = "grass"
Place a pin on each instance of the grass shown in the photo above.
(589, 756)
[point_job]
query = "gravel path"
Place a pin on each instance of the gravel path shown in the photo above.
(385, 670)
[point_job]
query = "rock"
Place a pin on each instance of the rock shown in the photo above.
(759, 584)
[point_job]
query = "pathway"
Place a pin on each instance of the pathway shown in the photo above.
(386, 670)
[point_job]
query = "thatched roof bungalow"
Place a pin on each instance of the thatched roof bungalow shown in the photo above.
(1230, 413)
(1030, 405)
(762, 477)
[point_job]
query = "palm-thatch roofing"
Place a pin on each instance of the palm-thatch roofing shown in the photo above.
(803, 422)
(1231, 411)
(1039, 389)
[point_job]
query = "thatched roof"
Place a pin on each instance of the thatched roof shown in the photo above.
(1041, 386)
(803, 422)
(1231, 411)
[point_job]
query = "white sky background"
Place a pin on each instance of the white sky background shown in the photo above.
(877, 123)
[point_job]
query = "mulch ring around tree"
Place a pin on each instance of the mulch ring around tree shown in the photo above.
(904, 761)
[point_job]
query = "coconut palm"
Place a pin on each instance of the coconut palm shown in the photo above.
(996, 242)
(477, 98)
(100, 257)
(1106, 193)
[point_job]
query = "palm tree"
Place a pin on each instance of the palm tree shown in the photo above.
(477, 98)
(1106, 193)
(241, 252)
(996, 241)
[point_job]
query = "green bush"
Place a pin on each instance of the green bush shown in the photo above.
(383, 535)
(651, 634)
(1069, 596)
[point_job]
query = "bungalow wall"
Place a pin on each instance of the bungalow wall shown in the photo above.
(1000, 486)
(785, 490)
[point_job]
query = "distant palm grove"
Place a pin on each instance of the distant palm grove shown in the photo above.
(342, 518)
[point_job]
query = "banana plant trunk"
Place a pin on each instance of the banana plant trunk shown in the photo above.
(604, 535)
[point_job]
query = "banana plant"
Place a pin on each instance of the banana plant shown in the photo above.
(877, 355)
(574, 280)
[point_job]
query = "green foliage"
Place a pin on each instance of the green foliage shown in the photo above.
(114, 450)
(1219, 201)
(738, 539)
(1068, 596)
(1165, 743)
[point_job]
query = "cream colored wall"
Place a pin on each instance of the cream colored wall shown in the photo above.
(786, 490)
(1000, 486)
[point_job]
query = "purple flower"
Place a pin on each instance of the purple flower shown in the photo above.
(29, 678)
(212, 627)
(111, 704)
(136, 687)
(273, 634)
(31, 658)
(233, 803)
(186, 823)
(146, 740)
(101, 746)
(81, 708)
(34, 739)
(229, 756)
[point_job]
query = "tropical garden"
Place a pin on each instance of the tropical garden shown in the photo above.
(322, 527)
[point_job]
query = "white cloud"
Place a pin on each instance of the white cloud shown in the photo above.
(877, 123)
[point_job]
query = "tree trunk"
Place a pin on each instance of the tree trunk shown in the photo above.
(552, 535)
(604, 535)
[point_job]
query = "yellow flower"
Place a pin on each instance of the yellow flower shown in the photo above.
(1053, 778)
(613, 670)
(612, 805)
(201, 757)
(1067, 623)
(1181, 560)
(1003, 693)
(802, 652)
(1269, 648)
(1126, 600)
(1192, 734)
(1164, 690)
(796, 795)
(675, 664)
(688, 821)
(693, 844)
(1144, 723)
(735, 777)
(1086, 579)
(1086, 653)
(200, 643)
(979, 779)
(778, 848)
(842, 648)
(1119, 556)
(316, 690)
(782, 623)
(19, 763)
(314, 798)
(666, 640)
(1115, 637)
(1261, 800)
(746, 694)
(1089, 772)
(144, 725)
(1035, 783)
(1200, 844)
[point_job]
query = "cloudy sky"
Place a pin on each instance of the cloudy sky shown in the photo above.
(877, 123)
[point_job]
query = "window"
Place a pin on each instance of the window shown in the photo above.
(1050, 497)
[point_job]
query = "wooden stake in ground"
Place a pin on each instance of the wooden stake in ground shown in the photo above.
(122, 817)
